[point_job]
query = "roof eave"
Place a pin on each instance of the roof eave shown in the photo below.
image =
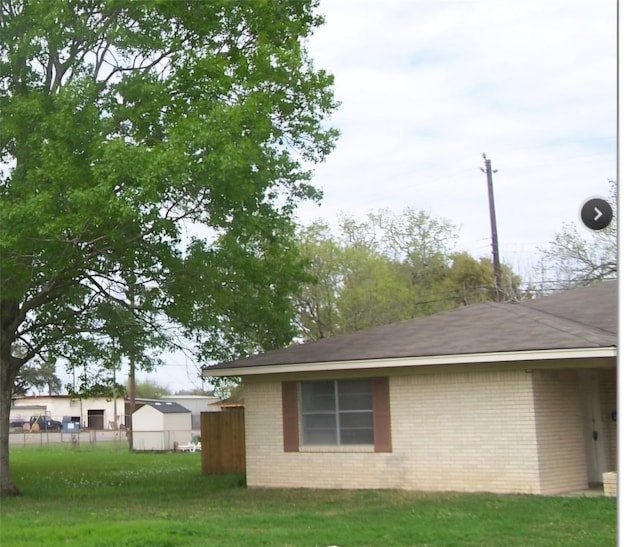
(397, 362)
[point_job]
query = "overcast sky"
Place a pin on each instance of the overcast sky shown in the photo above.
(428, 86)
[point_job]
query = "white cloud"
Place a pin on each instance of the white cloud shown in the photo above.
(428, 86)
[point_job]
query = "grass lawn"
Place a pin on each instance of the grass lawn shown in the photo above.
(103, 495)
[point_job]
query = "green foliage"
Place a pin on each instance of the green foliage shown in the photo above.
(153, 154)
(151, 389)
(40, 376)
(387, 268)
(470, 281)
(373, 291)
(94, 381)
(317, 300)
(104, 495)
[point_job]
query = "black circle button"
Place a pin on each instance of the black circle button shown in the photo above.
(596, 214)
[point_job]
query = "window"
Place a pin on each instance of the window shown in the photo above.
(336, 412)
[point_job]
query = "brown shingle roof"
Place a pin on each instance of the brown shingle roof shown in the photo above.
(580, 318)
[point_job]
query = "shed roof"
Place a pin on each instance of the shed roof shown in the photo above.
(166, 407)
(580, 318)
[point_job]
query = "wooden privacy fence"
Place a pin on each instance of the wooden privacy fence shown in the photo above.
(223, 448)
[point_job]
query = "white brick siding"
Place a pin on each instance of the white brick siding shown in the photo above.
(467, 431)
(559, 429)
(464, 432)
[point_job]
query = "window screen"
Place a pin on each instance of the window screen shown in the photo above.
(336, 412)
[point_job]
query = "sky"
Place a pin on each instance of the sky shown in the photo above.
(428, 86)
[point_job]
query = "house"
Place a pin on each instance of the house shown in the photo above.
(493, 397)
(161, 425)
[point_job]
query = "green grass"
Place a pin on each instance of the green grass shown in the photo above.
(102, 495)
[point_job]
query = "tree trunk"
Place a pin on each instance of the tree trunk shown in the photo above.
(8, 369)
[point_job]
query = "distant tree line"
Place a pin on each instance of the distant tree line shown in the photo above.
(386, 268)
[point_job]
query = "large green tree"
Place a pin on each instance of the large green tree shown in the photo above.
(387, 268)
(152, 156)
(469, 280)
(417, 243)
(317, 300)
(352, 286)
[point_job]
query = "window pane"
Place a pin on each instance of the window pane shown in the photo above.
(354, 386)
(354, 395)
(356, 419)
(355, 402)
(320, 436)
(315, 421)
(356, 436)
(318, 396)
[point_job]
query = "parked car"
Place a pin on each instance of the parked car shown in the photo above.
(45, 423)
(18, 422)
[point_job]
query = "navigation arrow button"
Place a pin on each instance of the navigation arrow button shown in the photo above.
(596, 214)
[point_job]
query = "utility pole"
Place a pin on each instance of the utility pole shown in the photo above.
(494, 230)
(132, 398)
(115, 403)
(132, 365)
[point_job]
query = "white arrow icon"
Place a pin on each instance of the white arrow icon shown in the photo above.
(599, 213)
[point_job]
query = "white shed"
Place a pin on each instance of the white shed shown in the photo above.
(160, 425)
(195, 404)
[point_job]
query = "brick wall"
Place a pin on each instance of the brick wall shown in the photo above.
(559, 429)
(466, 431)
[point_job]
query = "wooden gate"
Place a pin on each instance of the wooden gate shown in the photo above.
(223, 448)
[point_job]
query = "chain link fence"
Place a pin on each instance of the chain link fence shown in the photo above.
(42, 438)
